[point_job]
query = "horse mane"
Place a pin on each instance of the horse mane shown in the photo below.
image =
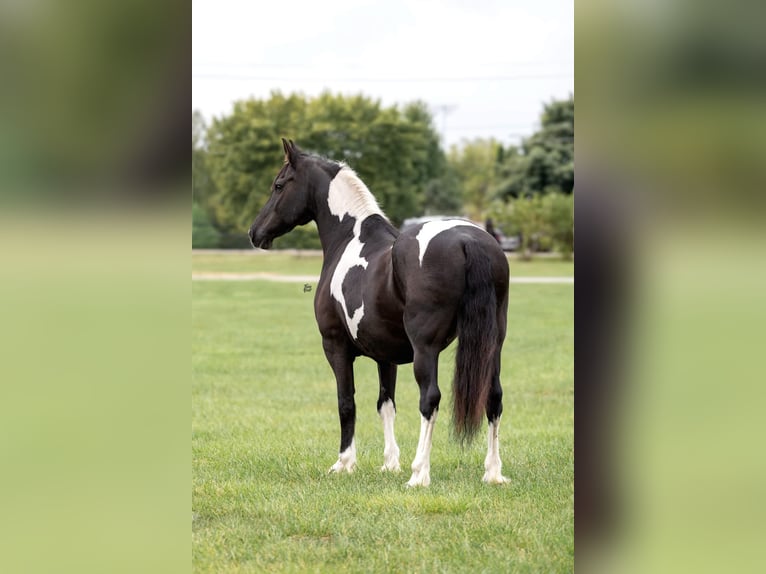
(349, 194)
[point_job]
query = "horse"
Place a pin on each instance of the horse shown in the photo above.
(397, 298)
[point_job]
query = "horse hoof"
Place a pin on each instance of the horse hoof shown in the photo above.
(495, 479)
(339, 467)
(418, 480)
(391, 468)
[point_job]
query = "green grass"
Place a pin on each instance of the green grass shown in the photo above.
(265, 432)
(310, 264)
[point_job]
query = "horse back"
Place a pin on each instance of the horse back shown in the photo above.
(429, 264)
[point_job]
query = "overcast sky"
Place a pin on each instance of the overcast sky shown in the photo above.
(484, 66)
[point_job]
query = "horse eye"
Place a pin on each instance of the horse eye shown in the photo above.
(278, 187)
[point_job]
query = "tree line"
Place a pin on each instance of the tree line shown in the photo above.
(395, 149)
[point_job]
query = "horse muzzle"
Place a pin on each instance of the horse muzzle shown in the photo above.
(259, 240)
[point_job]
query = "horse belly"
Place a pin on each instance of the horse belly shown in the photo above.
(381, 333)
(388, 345)
(385, 342)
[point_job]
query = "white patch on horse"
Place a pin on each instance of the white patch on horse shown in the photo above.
(421, 466)
(349, 195)
(346, 460)
(391, 449)
(433, 228)
(492, 465)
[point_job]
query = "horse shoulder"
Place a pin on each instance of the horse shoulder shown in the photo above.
(326, 310)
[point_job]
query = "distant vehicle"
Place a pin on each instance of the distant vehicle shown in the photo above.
(511, 243)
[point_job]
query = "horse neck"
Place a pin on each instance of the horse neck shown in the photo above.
(342, 210)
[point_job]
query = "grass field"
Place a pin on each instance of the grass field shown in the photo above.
(265, 432)
(309, 263)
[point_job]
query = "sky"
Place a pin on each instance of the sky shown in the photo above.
(484, 67)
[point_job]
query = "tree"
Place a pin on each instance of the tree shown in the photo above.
(560, 212)
(204, 235)
(442, 196)
(545, 159)
(202, 184)
(543, 220)
(474, 163)
(395, 151)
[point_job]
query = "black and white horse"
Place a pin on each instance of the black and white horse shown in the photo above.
(397, 298)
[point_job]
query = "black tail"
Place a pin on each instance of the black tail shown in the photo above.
(477, 342)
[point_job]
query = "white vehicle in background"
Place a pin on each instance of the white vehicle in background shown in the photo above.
(511, 243)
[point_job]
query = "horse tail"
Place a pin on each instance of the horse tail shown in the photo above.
(477, 332)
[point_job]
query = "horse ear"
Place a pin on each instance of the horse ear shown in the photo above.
(291, 151)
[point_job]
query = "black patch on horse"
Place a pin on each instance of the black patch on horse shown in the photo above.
(351, 291)
(370, 235)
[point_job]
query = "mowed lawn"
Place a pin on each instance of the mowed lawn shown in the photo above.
(310, 263)
(265, 431)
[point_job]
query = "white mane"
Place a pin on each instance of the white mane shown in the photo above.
(349, 195)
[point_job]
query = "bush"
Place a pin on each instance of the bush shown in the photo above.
(235, 240)
(544, 222)
(560, 214)
(204, 234)
(302, 237)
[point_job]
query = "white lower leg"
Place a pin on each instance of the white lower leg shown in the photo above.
(492, 465)
(421, 466)
(346, 460)
(391, 449)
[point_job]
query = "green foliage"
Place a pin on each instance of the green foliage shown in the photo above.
(474, 163)
(204, 235)
(524, 216)
(202, 184)
(545, 159)
(302, 237)
(442, 196)
(544, 221)
(394, 150)
(560, 209)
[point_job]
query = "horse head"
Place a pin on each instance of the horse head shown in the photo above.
(289, 204)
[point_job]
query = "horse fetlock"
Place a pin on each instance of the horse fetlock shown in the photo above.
(341, 466)
(391, 459)
(346, 460)
(420, 477)
(391, 467)
(493, 472)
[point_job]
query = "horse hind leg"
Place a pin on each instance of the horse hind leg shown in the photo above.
(492, 464)
(387, 412)
(426, 365)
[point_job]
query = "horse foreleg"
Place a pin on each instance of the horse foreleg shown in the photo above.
(426, 365)
(387, 412)
(342, 364)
